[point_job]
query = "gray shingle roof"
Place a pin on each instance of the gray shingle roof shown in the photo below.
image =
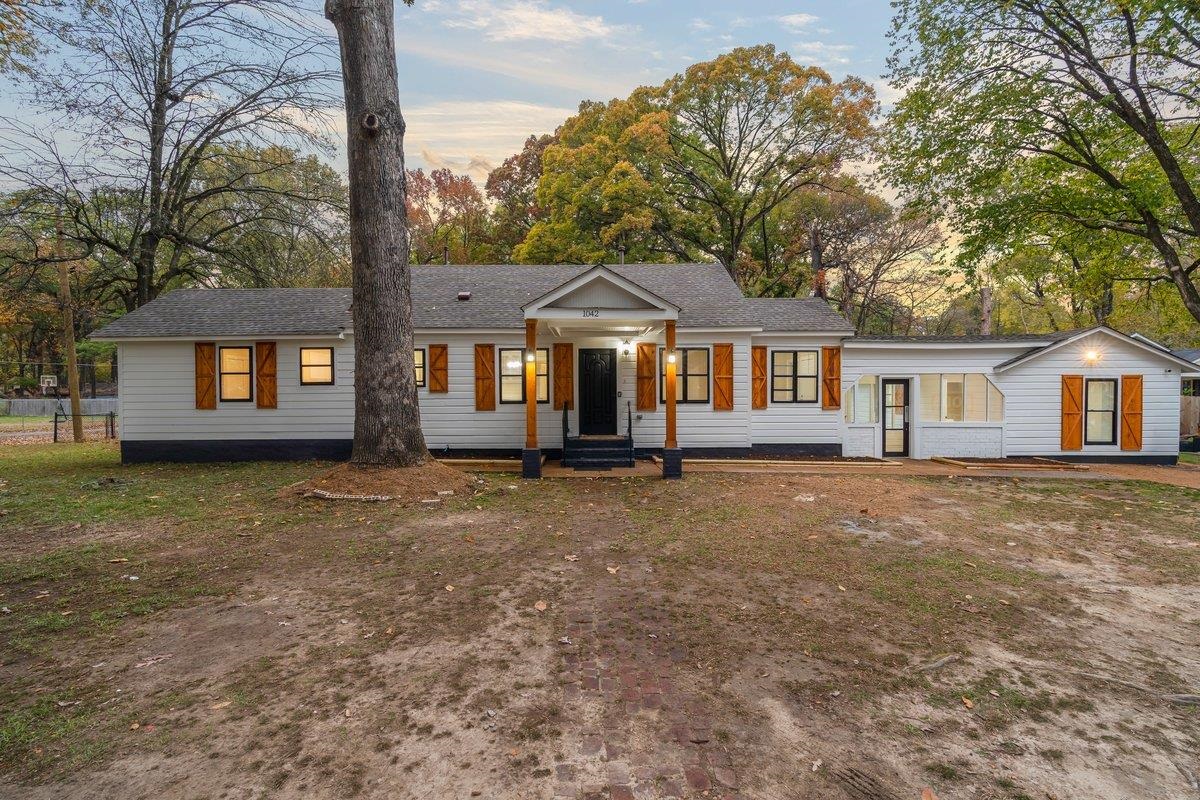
(1001, 338)
(705, 294)
(1189, 354)
(236, 312)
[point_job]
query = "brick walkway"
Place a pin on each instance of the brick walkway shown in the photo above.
(636, 733)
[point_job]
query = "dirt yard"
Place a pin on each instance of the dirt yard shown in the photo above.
(200, 632)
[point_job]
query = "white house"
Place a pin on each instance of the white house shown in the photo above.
(578, 363)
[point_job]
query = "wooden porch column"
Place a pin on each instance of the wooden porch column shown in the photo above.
(531, 456)
(672, 457)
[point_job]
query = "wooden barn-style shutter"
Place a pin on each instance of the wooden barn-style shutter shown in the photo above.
(758, 377)
(564, 375)
(831, 377)
(266, 381)
(206, 375)
(1131, 412)
(722, 377)
(439, 370)
(1072, 412)
(647, 383)
(485, 377)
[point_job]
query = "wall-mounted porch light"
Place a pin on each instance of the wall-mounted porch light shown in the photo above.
(530, 356)
(626, 347)
(1091, 357)
(670, 356)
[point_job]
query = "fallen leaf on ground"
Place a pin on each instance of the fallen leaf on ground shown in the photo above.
(118, 560)
(927, 794)
(613, 570)
(571, 558)
(220, 705)
(449, 587)
(968, 702)
(540, 605)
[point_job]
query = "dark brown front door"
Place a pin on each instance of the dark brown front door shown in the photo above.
(597, 391)
(895, 417)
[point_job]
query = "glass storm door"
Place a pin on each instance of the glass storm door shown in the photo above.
(895, 418)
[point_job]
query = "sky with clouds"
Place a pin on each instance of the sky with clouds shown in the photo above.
(478, 76)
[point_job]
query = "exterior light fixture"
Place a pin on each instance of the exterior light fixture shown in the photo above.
(625, 347)
(1092, 357)
(530, 356)
(671, 357)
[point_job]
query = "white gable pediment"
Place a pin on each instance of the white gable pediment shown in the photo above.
(602, 293)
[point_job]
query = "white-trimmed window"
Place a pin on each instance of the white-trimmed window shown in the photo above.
(316, 366)
(960, 397)
(862, 405)
(237, 374)
(691, 375)
(1101, 406)
(512, 375)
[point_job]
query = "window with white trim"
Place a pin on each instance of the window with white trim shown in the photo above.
(960, 397)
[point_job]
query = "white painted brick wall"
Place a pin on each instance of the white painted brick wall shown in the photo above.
(963, 441)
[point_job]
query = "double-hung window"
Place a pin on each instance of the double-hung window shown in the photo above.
(691, 375)
(1101, 406)
(316, 366)
(236, 374)
(512, 375)
(793, 376)
(419, 365)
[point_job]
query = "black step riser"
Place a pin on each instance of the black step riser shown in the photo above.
(613, 452)
(596, 444)
(596, 463)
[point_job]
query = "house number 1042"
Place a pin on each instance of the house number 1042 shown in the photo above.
(591, 312)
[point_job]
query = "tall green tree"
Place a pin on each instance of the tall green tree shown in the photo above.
(1083, 113)
(689, 169)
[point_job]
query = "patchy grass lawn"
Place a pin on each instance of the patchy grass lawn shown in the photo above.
(199, 631)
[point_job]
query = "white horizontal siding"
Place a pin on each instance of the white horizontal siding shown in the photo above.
(158, 397)
(157, 391)
(1033, 397)
(795, 423)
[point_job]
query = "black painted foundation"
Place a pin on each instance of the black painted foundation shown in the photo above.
(672, 463)
(531, 463)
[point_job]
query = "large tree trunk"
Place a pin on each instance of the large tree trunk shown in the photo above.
(387, 420)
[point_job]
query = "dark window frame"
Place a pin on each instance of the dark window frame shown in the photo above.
(682, 374)
(332, 370)
(538, 376)
(221, 373)
(1088, 410)
(423, 369)
(796, 376)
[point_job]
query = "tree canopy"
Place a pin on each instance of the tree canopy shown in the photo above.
(689, 169)
(1028, 120)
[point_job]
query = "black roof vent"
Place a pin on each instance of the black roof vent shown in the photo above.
(464, 295)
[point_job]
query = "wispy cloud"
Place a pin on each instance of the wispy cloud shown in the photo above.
(699, 24)
(822, 54)
(524, 20)
(553, 72)
(473, 137)
(797, 22)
